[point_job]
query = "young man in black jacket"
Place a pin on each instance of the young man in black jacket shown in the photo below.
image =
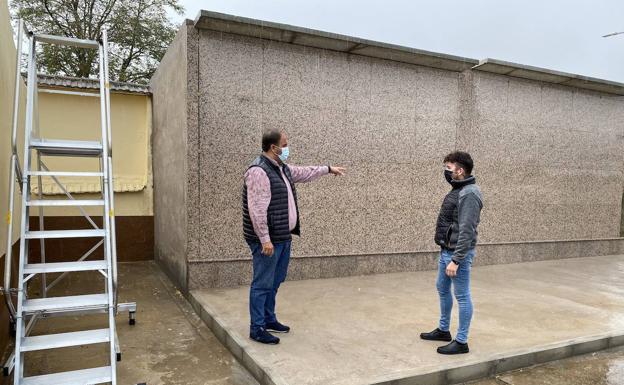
(456, 234)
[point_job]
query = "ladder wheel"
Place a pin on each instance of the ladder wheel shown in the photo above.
(5, 371)
(118, 357)
(131, 320)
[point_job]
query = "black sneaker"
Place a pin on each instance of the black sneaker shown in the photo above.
(277, 327)
(437, 335)
(264, 337)
(454, 348)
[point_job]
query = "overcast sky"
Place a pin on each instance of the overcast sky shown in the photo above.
(564, 35)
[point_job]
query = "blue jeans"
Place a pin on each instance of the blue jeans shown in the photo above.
(268, 275)
(461, 285)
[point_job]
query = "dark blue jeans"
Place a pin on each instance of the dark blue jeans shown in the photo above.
(268, 275)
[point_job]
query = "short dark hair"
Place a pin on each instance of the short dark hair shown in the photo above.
(462, 159)
(269, 138)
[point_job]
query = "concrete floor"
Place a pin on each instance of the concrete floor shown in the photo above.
(168, 345)
(361, 330)
(601, 368)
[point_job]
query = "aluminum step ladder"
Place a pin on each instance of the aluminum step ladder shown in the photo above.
(27, 311)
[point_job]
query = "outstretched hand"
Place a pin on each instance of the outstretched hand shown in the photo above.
(340, 171)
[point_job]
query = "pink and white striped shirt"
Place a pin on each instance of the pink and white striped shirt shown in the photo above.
(259, 194)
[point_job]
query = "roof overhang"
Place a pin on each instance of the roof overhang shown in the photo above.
(549, 76)
(220, 22)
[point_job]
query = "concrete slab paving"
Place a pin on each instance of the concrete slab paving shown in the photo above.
(364, 330)
(169, 345)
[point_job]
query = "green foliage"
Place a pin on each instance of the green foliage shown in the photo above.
(139, 33)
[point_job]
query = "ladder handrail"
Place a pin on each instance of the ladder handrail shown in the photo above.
(18, 75)
(20, 329)
(107, 214)
(109, 136)
(14, 164)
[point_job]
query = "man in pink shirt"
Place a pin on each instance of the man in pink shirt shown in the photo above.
(270, 217)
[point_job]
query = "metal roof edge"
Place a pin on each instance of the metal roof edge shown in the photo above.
(524, 71)
(326, 40)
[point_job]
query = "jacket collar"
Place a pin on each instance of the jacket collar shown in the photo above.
(464, 182)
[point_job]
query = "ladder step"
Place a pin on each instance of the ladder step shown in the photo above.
(66, 147)
(64, 173)
(64, 340)
(78, 377)
(70, 41)
(61, 267)
(66, 202)
(65, 234)
(60, 304)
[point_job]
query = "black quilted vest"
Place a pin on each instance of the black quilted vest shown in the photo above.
(447, 227)
(277, 213)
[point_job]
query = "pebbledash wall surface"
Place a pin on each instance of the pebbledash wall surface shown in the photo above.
(548, 149)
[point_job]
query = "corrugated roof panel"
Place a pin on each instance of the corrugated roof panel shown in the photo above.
(54, 81)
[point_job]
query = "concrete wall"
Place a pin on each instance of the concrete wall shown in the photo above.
(387, 122)
(170, 92)
(548, 158)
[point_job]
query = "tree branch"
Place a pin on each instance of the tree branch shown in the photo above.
(55, 19)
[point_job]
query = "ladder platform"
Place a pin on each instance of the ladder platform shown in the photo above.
(61, 267)
(77, 377)
(64, 340)
(69, 303)
(95, 233)
(69, 41)
(54, 147)
(65, 202)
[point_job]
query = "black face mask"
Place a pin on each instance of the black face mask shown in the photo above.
(448, 175)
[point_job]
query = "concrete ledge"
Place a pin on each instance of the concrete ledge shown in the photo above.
(229, 273)
(501, 364)
(264, 375)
